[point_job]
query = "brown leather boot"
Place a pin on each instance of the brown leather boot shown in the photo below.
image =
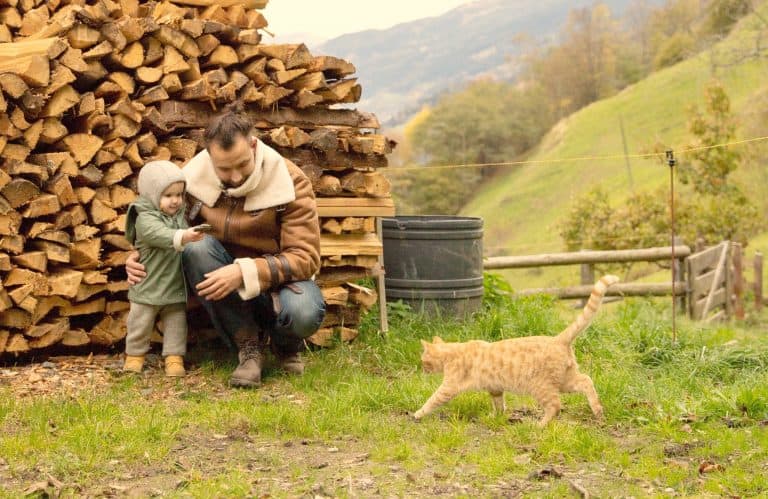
(248, 373)
(290, 363)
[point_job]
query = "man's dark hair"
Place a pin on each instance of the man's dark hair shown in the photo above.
(225, 128)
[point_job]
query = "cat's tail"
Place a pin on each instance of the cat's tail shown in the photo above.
(582, 321)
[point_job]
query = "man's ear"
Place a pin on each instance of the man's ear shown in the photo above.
(254, 141)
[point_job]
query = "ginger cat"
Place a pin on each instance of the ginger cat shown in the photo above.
(541, 366)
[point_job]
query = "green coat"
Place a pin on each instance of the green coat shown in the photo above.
(151, 232)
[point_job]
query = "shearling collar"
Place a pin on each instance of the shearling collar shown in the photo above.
(269, 185)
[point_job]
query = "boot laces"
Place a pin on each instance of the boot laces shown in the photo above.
(249, 349)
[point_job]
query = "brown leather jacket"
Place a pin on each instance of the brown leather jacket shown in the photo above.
(289, 232)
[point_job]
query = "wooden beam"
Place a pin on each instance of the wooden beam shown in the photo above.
(355, 207)
(198, 114)
(620, 289)
(247, 4)
(639, 255)
(350, 244)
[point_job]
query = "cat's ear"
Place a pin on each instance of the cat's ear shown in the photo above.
(424, 343)
(437, 339)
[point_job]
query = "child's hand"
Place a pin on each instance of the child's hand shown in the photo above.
(191, 236)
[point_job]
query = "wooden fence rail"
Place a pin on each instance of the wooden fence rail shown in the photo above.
(588, 258)
(619, 289)
(709, 284)
(584, 257)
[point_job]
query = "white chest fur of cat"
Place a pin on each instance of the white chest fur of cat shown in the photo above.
(540, 366)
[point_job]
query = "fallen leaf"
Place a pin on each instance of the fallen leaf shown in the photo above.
(545, 473)
(709, 467)
(522, 459)
(36, 488)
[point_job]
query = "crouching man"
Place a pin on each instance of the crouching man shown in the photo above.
(253, 272)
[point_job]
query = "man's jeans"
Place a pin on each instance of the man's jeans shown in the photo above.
(300, 315)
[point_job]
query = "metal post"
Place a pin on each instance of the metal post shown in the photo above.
(671, 162)
(758, 266)
(626, 154)
(587, 277)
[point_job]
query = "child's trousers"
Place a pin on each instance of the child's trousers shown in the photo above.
(141, 321)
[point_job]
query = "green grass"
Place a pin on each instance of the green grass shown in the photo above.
(522, 205)
(343, 428)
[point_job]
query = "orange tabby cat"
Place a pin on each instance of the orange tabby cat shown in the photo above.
(541, 366)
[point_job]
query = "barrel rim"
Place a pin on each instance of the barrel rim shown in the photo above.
(404, 222)
(470, 282)
(434, 294)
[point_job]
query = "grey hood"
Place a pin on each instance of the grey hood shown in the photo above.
(155, 177)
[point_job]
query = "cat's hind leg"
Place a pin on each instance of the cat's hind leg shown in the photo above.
(581, 383)
(549, 399)
(442, 395)
(498, 402)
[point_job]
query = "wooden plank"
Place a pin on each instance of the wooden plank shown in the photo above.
(701, 285)
(721, 269)
(350, 244)
(717, 300)
(638, 255)
(355, 207)
(247, 4)
(619, 289)
(198, 114)
(704, 260)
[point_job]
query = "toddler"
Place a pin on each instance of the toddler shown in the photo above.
(156, 227)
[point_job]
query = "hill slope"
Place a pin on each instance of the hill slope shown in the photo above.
(523, 204)
(400, 66)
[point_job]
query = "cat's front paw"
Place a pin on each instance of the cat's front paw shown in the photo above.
(418, 414)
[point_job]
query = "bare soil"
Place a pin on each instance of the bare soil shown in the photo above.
(276, 467)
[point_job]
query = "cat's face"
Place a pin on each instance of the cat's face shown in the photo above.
(431, 361)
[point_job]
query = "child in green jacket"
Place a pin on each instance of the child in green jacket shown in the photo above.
(155, 225)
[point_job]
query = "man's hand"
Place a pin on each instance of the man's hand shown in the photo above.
(221, 282)
(134, 269)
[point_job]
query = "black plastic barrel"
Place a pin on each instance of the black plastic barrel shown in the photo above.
(434, 263)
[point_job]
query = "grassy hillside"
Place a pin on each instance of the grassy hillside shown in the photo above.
(522, 204)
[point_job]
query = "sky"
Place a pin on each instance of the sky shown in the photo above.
(331, 18)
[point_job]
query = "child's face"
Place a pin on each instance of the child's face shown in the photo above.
(172, 198)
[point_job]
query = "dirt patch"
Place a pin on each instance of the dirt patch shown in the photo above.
(66, 375)
(273, 466)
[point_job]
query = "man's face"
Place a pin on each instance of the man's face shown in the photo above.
(233, 166)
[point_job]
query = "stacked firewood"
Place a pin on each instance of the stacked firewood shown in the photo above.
(93, 89)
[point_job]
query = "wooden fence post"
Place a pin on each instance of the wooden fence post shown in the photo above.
(758, 266)
(700, 245)
(738, 282)
(679, 264)
(587, 276)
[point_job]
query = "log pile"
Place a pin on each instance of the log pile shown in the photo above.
(90, 90)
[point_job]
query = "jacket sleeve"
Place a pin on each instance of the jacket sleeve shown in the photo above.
(299, 243)
(151, 230)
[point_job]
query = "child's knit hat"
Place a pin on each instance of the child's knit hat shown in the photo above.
(156, 176)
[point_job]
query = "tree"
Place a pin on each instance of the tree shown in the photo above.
(707, 167)
(486, 122)
(592, 60)
(711, 208)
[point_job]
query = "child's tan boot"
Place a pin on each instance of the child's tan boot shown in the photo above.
(133, 363)
(174, 366)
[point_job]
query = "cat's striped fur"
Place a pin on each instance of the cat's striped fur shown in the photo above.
(541, 366)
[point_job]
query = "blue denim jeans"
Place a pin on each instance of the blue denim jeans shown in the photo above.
(300, 315)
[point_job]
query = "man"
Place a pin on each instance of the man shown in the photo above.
(254, 275)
